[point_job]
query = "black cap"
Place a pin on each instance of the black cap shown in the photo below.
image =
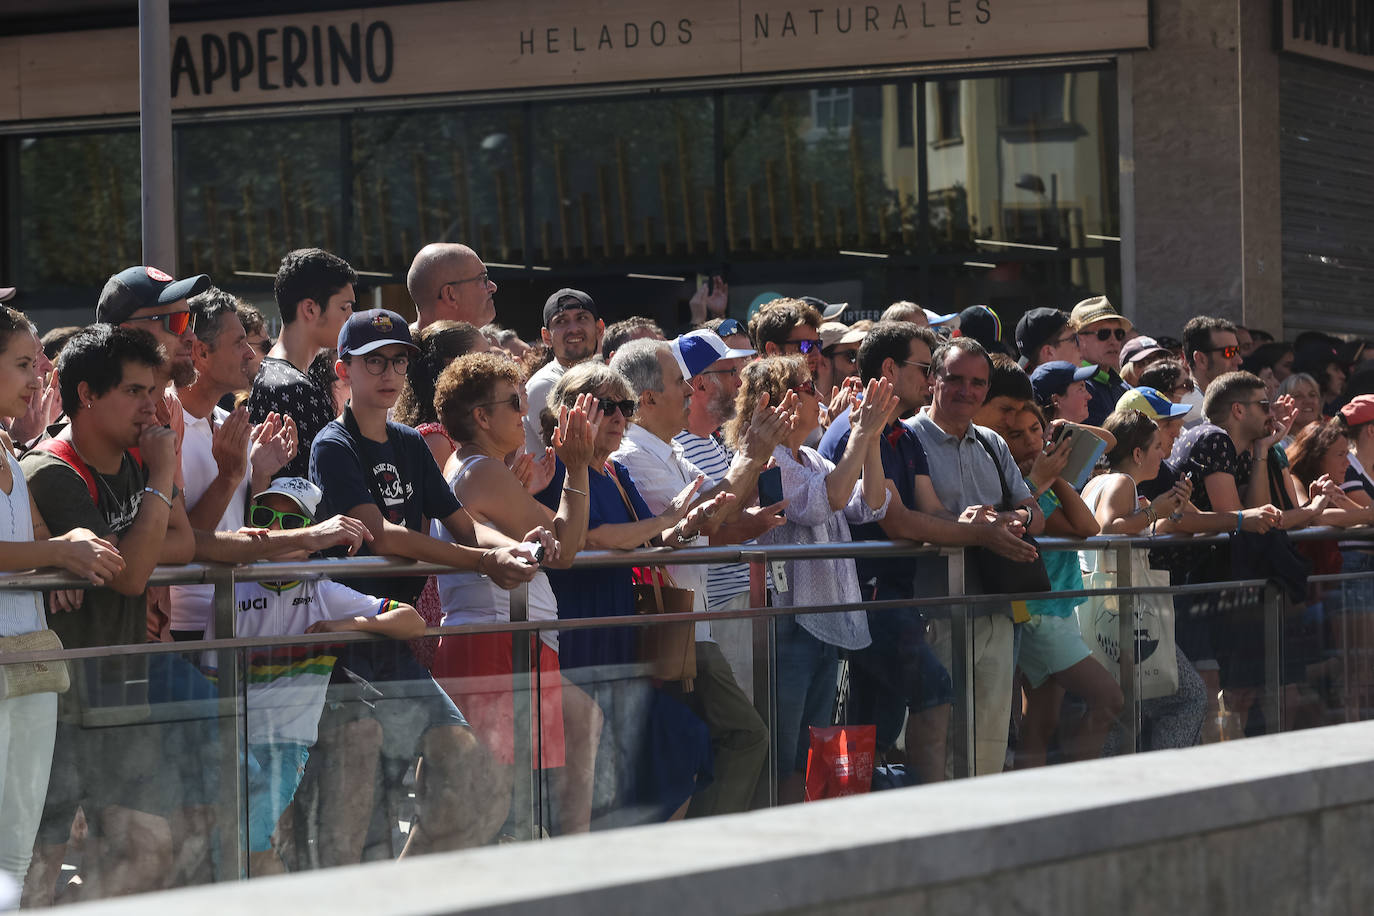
(1035, 329)
(137, 288)
(982, 324)
(365, 331)
(566, 299)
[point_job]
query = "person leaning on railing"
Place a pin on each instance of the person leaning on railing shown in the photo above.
(823, 498)
(28, 723)
(617, 518)
(1052, 655)
(480, 403)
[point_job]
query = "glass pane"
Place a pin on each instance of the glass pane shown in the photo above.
(79, 213)
(429, 176)
(624, 179)
(1036, 165)
(247, 194)
(820, 169)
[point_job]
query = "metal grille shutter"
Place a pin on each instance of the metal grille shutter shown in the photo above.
(1326, 179)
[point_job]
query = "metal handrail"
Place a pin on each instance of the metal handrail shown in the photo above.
(205, 573)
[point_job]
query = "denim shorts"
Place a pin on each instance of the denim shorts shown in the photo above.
(271, 786)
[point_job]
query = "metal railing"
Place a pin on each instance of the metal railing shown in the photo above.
(958, 607)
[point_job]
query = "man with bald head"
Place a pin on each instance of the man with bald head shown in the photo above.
(449, 282)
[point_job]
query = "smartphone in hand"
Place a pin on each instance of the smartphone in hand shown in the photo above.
(770, 486)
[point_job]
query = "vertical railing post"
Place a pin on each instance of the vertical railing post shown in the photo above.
(1126, 640)
(1273, 659)
(233, 706)
(962, 735)
(765, 700)
(526, 779)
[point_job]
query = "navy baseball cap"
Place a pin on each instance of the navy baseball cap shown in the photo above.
(365, 331)
(566, 299)
(1055, 378)
(135, 288)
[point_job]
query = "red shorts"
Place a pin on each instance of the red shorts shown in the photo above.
(475, 671)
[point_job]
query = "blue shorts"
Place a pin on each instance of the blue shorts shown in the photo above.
(1049, 645)
(271, 786)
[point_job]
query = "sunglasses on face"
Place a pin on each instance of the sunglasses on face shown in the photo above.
(805, 347)
(513, 402)
(174, 323)
(263, 517)
(1226, 352)
(611, 405)
(807, 387)
(729, 326)
(1105, 334)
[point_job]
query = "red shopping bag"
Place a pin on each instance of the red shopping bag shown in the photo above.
(840, 761)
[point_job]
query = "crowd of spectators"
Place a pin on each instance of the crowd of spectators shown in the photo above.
(175, 429)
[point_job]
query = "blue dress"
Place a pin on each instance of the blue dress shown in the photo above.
(659, 750)
(607, 592)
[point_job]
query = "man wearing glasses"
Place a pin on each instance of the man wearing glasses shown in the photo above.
(1044, 335)
(1212, 350)
(314, 291)
(1101, 332)
(573, 329)
(791, 327)
(449, 282)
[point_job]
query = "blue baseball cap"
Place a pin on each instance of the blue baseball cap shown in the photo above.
(695, 351)
(1152, 404)
(365, 331)
(1055, 377)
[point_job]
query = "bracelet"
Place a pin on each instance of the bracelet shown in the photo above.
(490, 551)
(159, 494)
(1240, 517)
(1150, 515)
(568, 489)
(683, 537)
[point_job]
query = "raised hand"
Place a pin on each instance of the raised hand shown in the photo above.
(272, 445)
(769, 427)
(229, 444)
(701, 514)
(1050, 463)
(840, 398)
(574, 441)
(868, 418)
(679, 504)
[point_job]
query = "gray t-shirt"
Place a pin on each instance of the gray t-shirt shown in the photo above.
(963, 474)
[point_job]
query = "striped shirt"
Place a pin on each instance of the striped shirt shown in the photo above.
(723, 580)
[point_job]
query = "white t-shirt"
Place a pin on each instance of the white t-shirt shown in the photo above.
(660, 471)
(190, 604)
(537, 390)
(286, 685)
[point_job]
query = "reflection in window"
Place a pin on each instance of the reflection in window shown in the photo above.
(948, 121)
(450, 176)
(624, 179)
(1036, 99)
(832, 109)
(247, 195)
(80, 217)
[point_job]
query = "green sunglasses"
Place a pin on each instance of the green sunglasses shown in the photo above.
(263, 517)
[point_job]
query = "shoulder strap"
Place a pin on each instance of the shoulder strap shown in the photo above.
(65, 452)
(615, 478)
(1001, 478)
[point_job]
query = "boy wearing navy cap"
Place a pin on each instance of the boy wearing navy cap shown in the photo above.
(383, 474)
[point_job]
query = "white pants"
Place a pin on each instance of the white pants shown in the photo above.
(992, 680)
(27, 727)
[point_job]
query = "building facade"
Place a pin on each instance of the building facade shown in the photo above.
(1182, 156)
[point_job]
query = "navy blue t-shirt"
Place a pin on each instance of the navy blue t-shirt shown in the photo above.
(904, 458)
(398, 476)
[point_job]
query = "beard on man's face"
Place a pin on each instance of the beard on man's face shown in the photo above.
(183, 373)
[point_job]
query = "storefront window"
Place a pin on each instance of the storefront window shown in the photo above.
(249, 193)
(79, 212)
(624, 180)
(429, 176)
